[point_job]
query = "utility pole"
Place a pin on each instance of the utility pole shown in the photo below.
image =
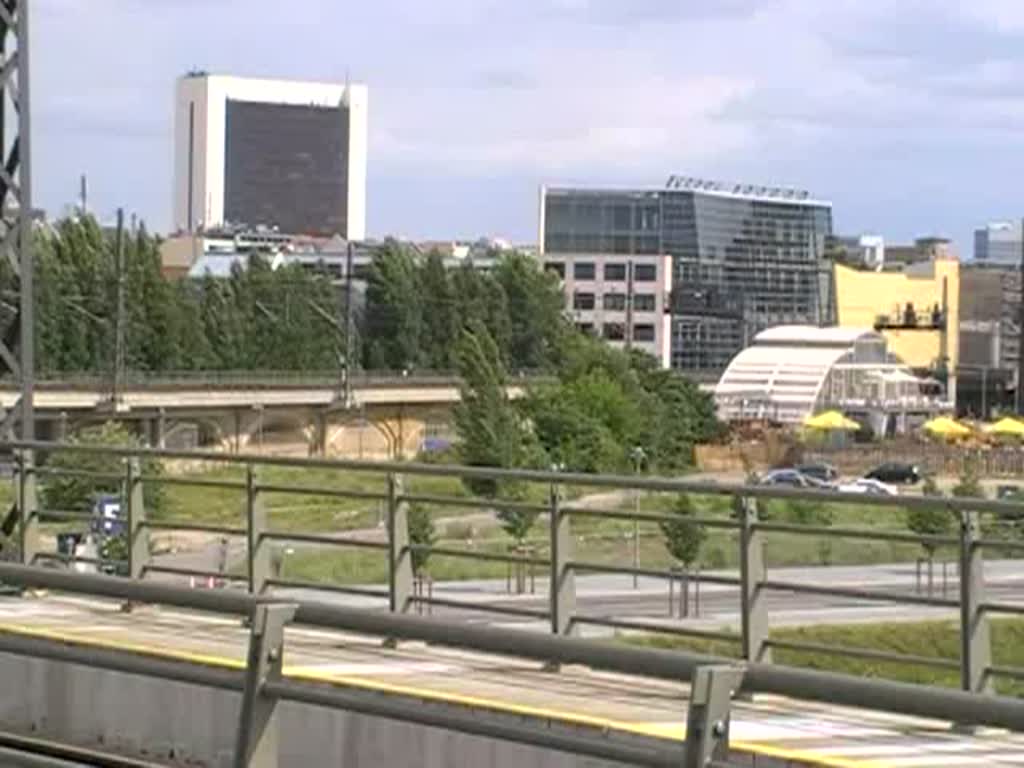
(346, 384)
(119, 356)
(17, 345)
(83, 195)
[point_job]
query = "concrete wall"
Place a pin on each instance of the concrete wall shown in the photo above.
(187, 725)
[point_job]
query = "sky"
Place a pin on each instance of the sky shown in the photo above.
(907, 114)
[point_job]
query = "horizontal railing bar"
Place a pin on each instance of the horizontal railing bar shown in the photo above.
(197, 482)
(1014, 672)
(651, 517)
(1003, 608)
(863, 653)
(639, 482)
(655, 573)
(83, 473)
(314, 538)
(311, 490)
(855, 533)
(21, 750)
(531, 613)
(326, 587)
(469, 554)
(227, 530)
(860, 594)
(811, 685)
(661, 629)
(471, 502)
(172, 570)
(415, 711)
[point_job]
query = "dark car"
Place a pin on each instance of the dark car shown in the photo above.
(824, 472)
(895, 472)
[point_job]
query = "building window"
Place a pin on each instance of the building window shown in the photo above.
(614, 301)
(643, 302)
(557, 267)
(643, 332)
(615, 271)
(583, 270)
(645, 273)
(582, 300)
(614, 331)
(586, 328)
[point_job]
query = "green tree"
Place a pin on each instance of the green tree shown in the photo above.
(72, 492)
(535, 305)
(422, 533)
(930, 521)
(968, 485)
(812, 514)
(490, 430)
(393, 317)
(440, 315)
(684, 538)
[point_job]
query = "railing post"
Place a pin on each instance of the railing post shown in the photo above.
(753, 606)
(399, 557)
(707, 721)
(28, 507)
(975, 641)
(258, 549)
(562, 589)
(257, 742)
(138, 539)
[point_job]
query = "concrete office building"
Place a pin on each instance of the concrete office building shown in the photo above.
(744, 257)
(284, 155)
(624, 300)
(999, 243)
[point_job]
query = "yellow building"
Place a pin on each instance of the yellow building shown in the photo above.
(917, 308)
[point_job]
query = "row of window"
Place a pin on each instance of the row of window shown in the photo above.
(617, 331)
(642, 302)
(587, 270)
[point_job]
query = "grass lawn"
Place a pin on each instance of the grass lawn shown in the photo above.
(931, 639)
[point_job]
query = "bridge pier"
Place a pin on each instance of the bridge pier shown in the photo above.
(156, 430)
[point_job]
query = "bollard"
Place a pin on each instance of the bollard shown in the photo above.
(562, 589)
(753, 606)
(399, 557)
(257, 549)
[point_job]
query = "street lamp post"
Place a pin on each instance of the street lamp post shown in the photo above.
(639, 457)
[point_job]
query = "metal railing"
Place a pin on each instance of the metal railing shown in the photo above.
(752, 584)
(263, 684)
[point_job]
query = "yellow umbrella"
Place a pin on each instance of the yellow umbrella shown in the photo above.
(943, 426)
(831, 420)
(1006, 426)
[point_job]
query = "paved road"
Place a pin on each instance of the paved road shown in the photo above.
(612, 596)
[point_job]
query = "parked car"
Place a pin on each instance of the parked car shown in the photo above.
(824, 472)
(793, 479)
(868, 486)
(895, 472)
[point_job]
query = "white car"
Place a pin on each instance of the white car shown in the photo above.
(868, 486)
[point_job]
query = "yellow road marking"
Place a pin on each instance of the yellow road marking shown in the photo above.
(676, 731)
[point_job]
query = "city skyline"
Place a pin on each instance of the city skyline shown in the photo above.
(910, 128)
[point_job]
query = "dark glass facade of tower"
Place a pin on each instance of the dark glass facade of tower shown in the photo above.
(286, 166)
(741, 263)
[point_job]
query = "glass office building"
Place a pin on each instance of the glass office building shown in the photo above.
(999, 243)
(744, 258)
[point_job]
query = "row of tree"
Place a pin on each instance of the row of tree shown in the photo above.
(275, 319)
